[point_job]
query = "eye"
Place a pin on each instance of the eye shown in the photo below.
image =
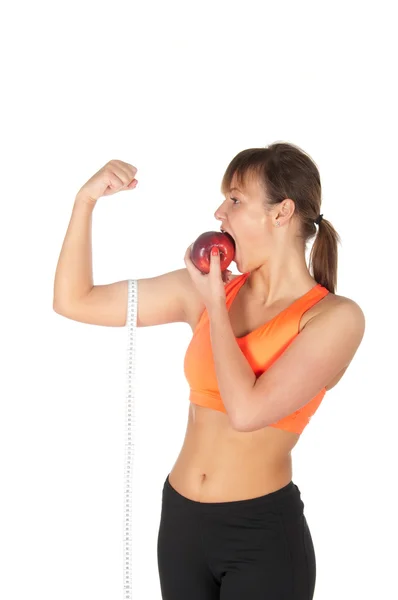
(234, 200)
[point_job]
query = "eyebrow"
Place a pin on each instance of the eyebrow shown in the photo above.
(233, 188)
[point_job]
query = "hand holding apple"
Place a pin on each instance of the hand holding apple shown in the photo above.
(206, 270)
(200, 253)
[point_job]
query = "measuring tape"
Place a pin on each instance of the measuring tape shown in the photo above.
(130, 437)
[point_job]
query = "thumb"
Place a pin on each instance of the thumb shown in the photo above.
(226, 276)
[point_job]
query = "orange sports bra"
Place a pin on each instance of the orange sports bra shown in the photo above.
(261, 347)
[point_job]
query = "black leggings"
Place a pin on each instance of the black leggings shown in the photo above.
(256, 549)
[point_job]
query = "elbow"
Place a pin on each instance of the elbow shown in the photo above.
(251, 421)
(236, 426)
(244, 424)
(238, 423)
(250, 426)
(249, 417)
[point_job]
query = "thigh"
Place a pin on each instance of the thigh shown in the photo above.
(261, 569)
(253, 583)
(275, 574)
(182, 564)
(309, 551)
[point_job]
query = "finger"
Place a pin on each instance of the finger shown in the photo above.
(214, 254)
(226, 275)
(132, 184)
(187, 254)
(215, 260)
(191, 268)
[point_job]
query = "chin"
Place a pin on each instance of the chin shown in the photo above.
(237, 265)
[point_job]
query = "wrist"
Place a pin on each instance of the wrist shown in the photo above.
(82, 198)
(216, 309)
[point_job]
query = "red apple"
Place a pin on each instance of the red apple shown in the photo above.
(200, 250)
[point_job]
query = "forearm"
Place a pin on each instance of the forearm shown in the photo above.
(235, 376)
(74, 273)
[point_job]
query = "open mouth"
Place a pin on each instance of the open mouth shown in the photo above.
(227, 233)
(230, 237)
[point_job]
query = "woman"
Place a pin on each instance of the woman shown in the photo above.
(267, 344)
(232, 523)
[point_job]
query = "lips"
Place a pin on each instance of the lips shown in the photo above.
(223, 230)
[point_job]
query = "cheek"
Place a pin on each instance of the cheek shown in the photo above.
(259, 237)
(259, 244)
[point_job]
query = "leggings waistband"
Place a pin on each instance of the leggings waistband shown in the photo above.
(286, 498)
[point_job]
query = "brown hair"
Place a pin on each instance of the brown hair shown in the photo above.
(286, 171)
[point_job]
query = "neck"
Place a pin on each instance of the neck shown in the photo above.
(280, 278)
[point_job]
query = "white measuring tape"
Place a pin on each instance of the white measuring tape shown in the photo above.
(129, 436)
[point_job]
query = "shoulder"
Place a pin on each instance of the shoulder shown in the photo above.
(350, 311)
(335, 311)
(344, 307)
(339, 305)
(341, 313)
(336, 332)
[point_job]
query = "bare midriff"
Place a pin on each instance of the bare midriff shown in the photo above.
(219, 464)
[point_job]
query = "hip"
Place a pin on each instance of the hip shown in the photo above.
(262, 542)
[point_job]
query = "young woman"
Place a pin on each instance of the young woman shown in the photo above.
(267, 345)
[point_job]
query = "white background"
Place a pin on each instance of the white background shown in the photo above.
(177, 89)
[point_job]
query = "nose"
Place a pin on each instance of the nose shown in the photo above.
(220, 214)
